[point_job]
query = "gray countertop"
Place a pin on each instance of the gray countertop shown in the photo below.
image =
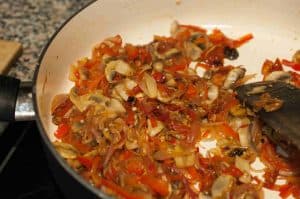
(32, 22)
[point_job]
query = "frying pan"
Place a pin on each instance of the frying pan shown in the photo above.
(275, 25)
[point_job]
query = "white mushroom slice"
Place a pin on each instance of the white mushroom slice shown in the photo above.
(110, 106)
(115, 106)
(80, 102)
(279, 76)
(120, 90)
(148, 85)
(234, 75)
(169, 53)
(119, 66)
(152, 131)
(213, 92)
(221, 186)
(192, 50)
(66, 150)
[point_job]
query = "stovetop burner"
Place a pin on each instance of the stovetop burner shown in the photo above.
(24, 172)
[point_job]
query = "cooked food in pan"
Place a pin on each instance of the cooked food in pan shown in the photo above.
(140, 122)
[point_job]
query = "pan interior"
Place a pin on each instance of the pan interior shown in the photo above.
(275, 26)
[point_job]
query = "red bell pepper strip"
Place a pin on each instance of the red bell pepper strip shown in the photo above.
(157, 185)
(86, 162)
(293, 65)
(61, 131)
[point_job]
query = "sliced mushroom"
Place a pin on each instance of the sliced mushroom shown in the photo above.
(119, 66)
(66, 150)
(151, 130)
(169, 53)
(279, 76)
(110, 106)
(213, 92)
(115, 106)
(192, 50)
(120, 90)
(234, 75)
(148, 85)
(80, 102)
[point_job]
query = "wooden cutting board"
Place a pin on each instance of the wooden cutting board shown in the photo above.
(9, 52)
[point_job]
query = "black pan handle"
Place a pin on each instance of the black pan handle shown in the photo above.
(15, 100)
(9, 88)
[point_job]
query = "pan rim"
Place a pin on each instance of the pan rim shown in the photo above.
(42, 131)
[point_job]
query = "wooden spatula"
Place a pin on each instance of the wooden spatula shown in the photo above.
(286, 120)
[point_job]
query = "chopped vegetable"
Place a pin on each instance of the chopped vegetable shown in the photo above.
(140, 123)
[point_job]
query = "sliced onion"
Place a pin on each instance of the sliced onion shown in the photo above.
(192, 50)
(148, 85)
(152, 131)
(221, 186)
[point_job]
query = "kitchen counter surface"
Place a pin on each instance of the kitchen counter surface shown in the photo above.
(32, 22)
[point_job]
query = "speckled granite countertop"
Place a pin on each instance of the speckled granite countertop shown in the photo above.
(32, 22)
